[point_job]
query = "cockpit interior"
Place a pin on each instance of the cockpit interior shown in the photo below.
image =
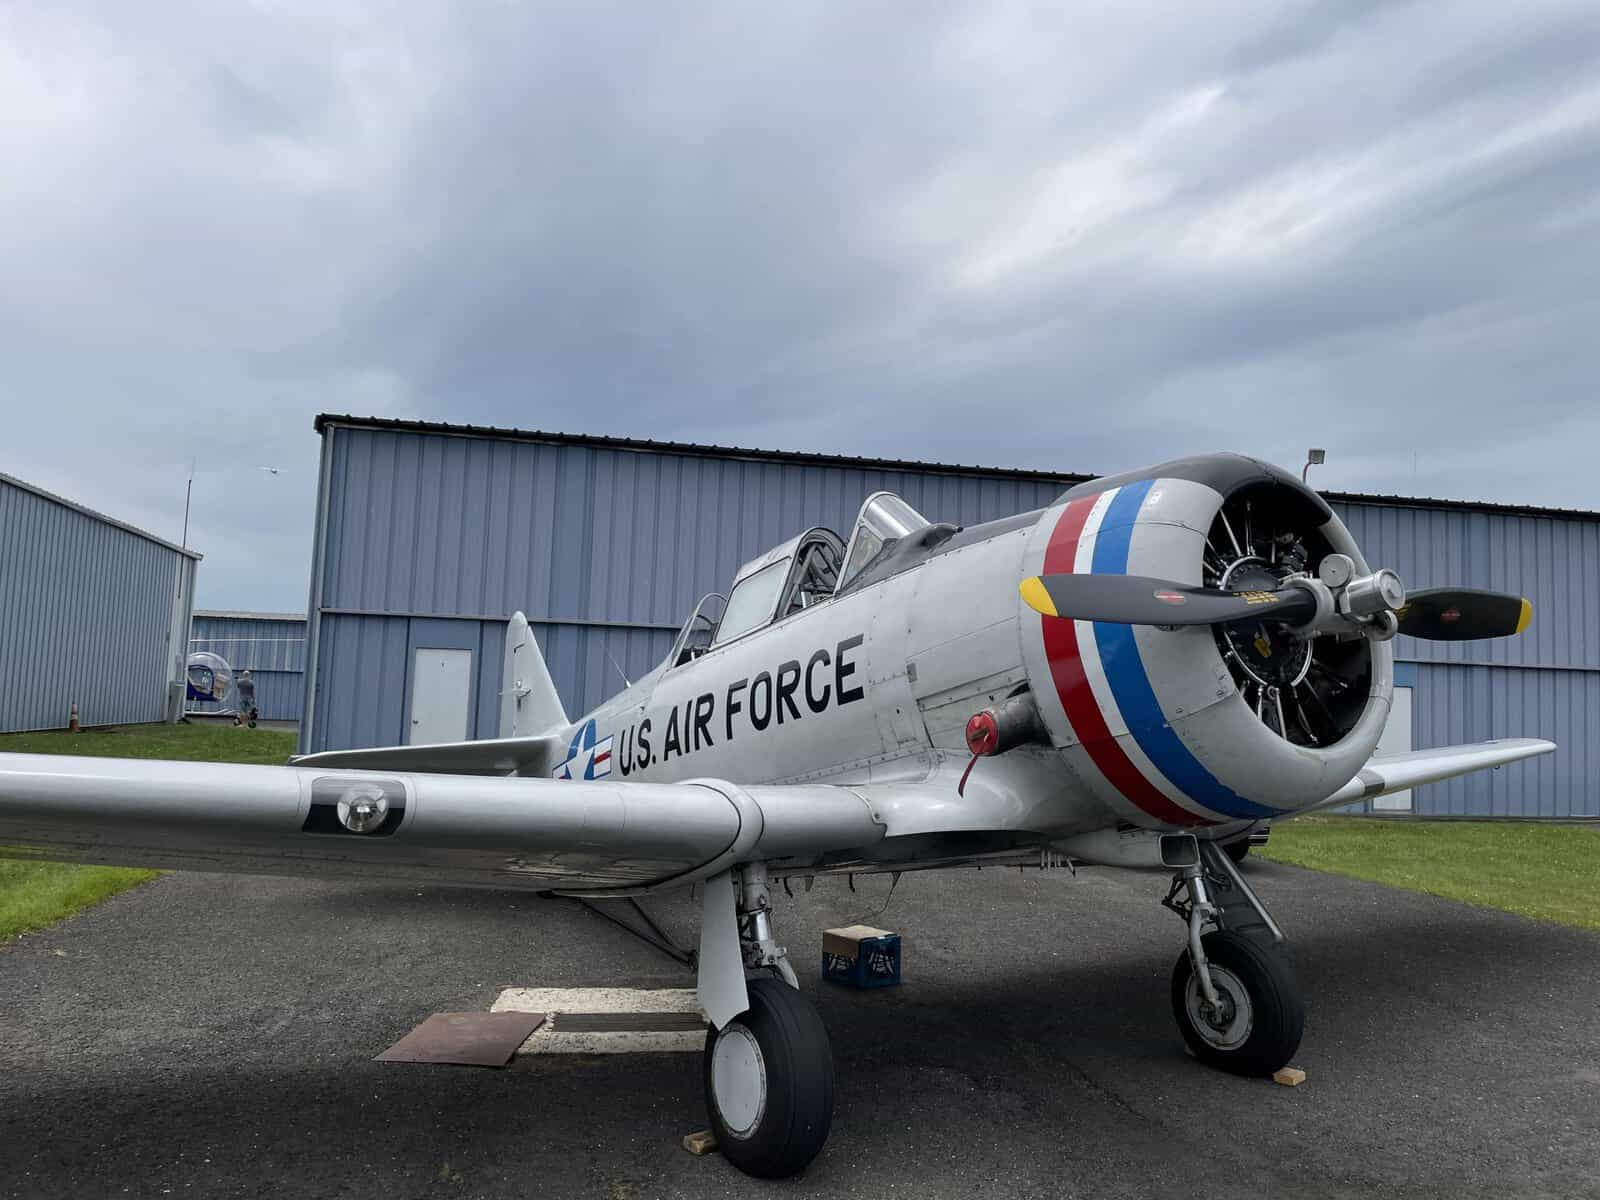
(808, 570)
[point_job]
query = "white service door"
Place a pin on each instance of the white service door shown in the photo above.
(1396, 737)
(441, 695)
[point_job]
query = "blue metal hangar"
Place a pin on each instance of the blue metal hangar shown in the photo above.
(429, 536)
(271, 646)
(93, 612)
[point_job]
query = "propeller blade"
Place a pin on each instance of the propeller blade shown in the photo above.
(1140, 600)
(1463, 615)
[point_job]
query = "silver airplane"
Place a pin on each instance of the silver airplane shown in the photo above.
(1141, 675)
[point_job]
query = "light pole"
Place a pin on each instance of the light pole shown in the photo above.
(188, 494)
(1314, 458)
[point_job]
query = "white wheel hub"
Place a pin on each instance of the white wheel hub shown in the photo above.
(1228, 1027)
(738, 1079)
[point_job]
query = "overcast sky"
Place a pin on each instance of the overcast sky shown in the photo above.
(1075, 237)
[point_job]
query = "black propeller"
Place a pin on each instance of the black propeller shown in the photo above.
(1437, 614)
(1140, 600)
(1463, 615)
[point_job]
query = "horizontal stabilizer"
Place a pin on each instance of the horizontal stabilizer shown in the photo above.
(1386, 773)
(488, 756)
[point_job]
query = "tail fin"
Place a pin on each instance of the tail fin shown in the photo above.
(528, 701)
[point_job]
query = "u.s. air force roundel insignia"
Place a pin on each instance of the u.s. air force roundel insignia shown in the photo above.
(587, 757)
(372, 807)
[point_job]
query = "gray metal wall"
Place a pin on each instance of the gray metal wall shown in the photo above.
(606, 550)
(432, 539)
(1543, 683)
(271, 645)
(91, 611)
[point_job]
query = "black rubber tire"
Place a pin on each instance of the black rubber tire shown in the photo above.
(1238, 850)
(799, 1068)
(1278, 1014)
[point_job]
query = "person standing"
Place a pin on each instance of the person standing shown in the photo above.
(247, 699)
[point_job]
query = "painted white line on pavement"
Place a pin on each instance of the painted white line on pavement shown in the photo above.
(549, 1039)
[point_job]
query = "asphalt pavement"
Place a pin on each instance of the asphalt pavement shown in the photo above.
(213, 1036)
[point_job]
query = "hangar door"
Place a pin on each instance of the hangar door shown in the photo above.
(1396, 737)
(441, 695)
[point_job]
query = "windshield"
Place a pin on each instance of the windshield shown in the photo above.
(884, 519)
(694, 639)
(753, 601)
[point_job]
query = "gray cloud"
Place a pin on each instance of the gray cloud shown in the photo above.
(997, 233)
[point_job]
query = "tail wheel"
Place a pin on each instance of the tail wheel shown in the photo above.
(1257, 1026)
(769, 1082)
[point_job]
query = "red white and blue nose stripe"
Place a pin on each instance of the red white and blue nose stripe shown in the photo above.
(1104, 687)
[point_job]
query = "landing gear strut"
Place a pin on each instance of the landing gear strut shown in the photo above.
(768, 1070)
(1233, 992)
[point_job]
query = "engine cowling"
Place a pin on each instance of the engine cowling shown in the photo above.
(1202, 725)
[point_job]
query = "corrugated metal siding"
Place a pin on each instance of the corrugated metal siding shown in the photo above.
(1555, 562)
(431, 524)
(88, 615)
(1544, 683)
(607, 550)
(456, 525)
(273, 650)
(1456, 703)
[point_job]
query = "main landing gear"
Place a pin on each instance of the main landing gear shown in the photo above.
(768, 1069)
(1233, 991)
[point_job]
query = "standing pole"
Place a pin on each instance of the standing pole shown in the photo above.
(1314, 457)
(187, 492)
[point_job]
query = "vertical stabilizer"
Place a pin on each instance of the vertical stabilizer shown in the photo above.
(528, 700)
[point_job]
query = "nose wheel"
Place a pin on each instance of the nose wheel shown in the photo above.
(1254, 1025)
(1234, 994)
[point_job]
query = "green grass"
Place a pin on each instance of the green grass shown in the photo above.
(33, 894)
(194, 743)
(1549, 872)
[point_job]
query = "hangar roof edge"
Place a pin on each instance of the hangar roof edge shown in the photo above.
(695, 448)
(99, 516)
(1068, 478)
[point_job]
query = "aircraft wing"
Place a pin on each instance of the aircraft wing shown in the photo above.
(314, 819)
(488, 756)
(1396, 772)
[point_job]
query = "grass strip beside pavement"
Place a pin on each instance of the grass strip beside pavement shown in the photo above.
(192, 743)
(33, 893)
(36, 894)
(1547, 871)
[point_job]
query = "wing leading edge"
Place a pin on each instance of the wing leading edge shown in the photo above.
(1386, 773)
(496, 832)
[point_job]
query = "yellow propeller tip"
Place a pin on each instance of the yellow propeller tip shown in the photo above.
(1525, 617)
(1036, 597)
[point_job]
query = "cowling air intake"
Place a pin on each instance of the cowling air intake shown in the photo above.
(1208, 645)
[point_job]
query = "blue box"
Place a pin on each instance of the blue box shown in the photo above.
(860, 956)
